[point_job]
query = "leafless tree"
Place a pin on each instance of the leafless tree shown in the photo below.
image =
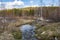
(52, 3)
(59, 2)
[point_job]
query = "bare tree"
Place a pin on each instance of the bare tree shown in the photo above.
(52, 3)
(59, 2)
(41, 15)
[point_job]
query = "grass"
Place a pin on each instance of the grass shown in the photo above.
(45, 32)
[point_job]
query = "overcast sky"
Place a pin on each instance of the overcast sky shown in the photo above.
(26, 3)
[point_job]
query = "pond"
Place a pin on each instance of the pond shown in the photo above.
(28, 32)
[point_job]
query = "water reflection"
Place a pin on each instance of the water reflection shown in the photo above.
(28, 32)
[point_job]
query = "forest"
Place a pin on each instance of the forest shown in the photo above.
(47, 12)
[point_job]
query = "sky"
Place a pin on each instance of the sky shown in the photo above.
(9, 4)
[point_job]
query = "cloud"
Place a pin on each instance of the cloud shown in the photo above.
(35, 6)
(10, 5)
(0, 2)
(16, 3)
(31, 6)
(31, 1)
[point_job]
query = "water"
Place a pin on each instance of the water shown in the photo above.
(56, 38)
(28, 32)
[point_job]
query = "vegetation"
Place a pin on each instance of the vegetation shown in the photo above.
(47, 12)
(48, 31)
(45, 32)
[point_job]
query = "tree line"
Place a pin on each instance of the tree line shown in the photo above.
(47, 12)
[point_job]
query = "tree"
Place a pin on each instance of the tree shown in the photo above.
(59, 2)
(31, 12)
(52, 3)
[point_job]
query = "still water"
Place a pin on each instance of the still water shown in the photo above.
(28, 32)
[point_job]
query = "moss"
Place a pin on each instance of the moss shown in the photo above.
(51, 29)
(17, 35)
